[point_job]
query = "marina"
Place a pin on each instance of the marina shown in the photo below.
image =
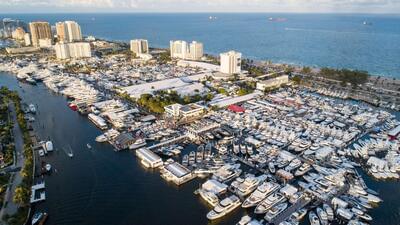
(292, 155)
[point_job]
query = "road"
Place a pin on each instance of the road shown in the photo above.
(9, 207)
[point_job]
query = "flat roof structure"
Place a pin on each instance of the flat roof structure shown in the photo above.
(148, 88)
(177, 170)
(233, 100)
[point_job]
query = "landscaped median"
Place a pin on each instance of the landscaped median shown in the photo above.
(23, 190)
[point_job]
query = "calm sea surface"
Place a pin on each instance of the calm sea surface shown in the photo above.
(333, 40)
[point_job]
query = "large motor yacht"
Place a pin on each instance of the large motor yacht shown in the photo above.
(224, 207)
(260, 194)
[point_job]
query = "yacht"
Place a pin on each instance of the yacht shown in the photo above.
(37, 217)
(298, 215)
(329, 211)
(270, 201)
(227, 172)
(271, 167)
(323, 217)
(303, 169)
(313, 218)
(244, 220)
(236, 149)
(48, 167)
(32, 108)
(185, 160)
(260, 194)
(275, 210)
(248, 185)
(224, 207)
(210, 197)
(101, 138)
(140, 142)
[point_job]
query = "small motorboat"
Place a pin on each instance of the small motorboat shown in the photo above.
(37, 217)
(88, 146)
(48, 167)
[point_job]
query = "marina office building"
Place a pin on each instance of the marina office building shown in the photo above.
(272, 82)
(184, 111)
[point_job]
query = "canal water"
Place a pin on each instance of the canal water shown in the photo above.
(103, 187)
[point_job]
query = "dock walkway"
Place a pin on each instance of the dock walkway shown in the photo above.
(290, 210)
(167, 142)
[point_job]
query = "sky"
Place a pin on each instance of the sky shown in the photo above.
(296, 6)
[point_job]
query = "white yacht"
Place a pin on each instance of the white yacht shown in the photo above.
(323, 217)
(275, 210)
(313, 218)
(226, 172)
(224, 207)
(270, 201)
(260, 194)
(101, 138)
(329, 211)
(248, 185)
(32, 108)
(48, 167)
(303, 169)
(298, 215)
(140, 142)
(210, 197)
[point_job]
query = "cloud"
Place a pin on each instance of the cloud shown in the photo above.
(207, 5)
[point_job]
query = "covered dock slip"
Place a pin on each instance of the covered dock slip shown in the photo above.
(177, 173)
(148, 158)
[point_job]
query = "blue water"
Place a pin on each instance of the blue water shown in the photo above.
(333, 40)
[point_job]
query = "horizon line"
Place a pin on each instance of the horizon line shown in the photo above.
(200, 12)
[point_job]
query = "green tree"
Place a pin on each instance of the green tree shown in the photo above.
(21, 195)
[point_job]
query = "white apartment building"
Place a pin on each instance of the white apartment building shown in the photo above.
(68, 31)
(183, 50)
(195, 50)
(27, 39)
(231, 62)
(45, 43)
(139, 46)
(73, 50)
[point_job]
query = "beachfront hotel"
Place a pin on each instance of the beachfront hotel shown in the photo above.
(73, 50)
(68, 31)
(139, 46)
(231, 62)
(183, 50)
(39, 30)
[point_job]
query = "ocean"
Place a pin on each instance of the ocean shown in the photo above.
(320, 40)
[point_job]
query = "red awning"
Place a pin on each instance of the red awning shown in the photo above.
(236, 108)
